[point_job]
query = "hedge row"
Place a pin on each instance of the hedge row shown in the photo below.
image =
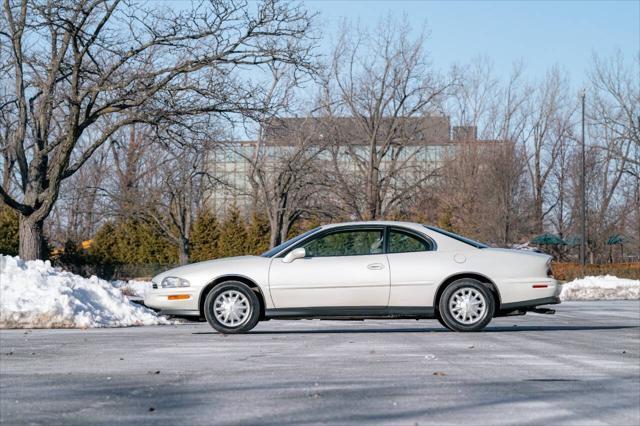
(572, 271)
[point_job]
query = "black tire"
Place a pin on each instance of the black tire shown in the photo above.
(442, 323)
(229, 287)
(466, 287)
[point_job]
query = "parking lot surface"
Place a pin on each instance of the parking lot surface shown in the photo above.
(580, 366)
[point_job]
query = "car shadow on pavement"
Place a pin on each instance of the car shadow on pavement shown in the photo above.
(497, 329)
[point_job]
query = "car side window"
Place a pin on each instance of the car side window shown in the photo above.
(403, 242)
(346, 243)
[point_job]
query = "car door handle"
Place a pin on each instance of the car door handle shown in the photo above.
(375, 266)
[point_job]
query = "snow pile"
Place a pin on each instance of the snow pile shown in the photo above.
(33, 294)
(601, 288)
(132, 288)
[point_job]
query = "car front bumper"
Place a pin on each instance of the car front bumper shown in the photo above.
(173, 301)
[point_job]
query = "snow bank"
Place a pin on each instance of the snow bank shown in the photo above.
(132, 288)
(33, 294)
(601, 288)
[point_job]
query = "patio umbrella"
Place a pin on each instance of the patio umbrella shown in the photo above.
(548, 240)
(615, 239)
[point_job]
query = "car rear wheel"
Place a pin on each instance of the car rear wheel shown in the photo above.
(232, 307)
(466, 305)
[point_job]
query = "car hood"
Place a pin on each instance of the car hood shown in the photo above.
(211, 268)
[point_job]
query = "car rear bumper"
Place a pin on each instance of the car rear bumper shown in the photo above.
(553, 300)
(533, 305)
(527, 291)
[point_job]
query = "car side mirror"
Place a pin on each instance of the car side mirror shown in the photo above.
(298, 253)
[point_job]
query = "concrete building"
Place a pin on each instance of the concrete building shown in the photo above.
(418, 145)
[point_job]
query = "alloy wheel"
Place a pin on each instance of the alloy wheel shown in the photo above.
(467, 305)
(232, 308)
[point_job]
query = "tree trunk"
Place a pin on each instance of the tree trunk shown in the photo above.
(538, 219)
(284, 230)
(274, 234)
(183, 249)
(507, 230)
(32, 243)
(374, 197)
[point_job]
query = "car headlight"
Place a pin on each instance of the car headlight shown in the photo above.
(173, 282)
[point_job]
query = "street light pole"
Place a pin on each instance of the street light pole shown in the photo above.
(583, 195)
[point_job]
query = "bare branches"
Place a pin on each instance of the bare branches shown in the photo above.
(614, 104)
(550, 127)
(384, 83)
(80, 71)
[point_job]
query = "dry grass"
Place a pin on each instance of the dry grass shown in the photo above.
(571, 271)
(128, 291)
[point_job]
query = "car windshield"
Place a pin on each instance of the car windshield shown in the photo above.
(460, 238)
(288, 243)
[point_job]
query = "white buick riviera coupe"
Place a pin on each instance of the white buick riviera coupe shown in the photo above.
(362, 270)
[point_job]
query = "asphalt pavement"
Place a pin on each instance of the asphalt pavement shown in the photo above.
(580, 366)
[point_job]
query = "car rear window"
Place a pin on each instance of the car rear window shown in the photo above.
(457, 237)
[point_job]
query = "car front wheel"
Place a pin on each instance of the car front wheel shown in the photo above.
(466, 305)
(232, 307)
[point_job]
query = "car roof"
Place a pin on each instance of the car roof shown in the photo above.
(372, 222)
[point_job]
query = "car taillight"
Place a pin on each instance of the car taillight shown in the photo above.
(549, 270)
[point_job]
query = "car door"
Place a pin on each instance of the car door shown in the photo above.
(413, 262)
(342, 268)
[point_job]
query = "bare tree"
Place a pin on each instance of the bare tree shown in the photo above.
(283, 160)
(482, 187)
(378, 90)
(81, 207)
(615, 103)
(161, 178)
(549, 130)
(173, 204)
(133, 161)
(560, 189)
(287, 183)
(79, 70)
(613, 114)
